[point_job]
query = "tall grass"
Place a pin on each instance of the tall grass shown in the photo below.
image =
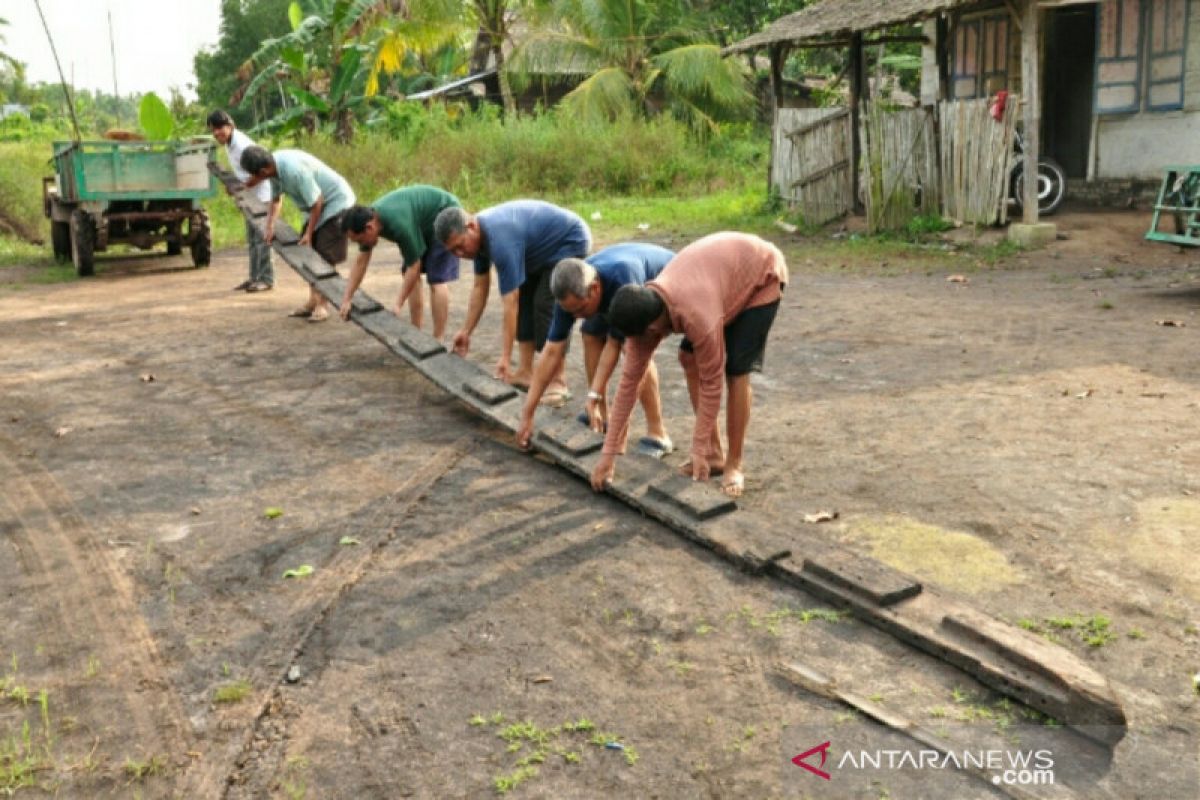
(484, 160)
(631, 167)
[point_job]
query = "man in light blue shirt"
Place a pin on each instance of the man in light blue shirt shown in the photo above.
(524, 239)
(317, 191)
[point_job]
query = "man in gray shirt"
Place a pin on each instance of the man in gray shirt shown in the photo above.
(316, 190)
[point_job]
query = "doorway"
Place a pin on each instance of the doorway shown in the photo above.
(1069, 69)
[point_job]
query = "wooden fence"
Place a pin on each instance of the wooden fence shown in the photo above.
(810, 165)
(976, 155)
(954, 161)
(900, 166)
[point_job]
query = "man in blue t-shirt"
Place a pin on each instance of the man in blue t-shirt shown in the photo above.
(523, 239)
(583, 290)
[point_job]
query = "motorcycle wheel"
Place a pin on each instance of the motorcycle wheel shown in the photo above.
(1051, 189)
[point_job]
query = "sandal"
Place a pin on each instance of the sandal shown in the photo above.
(302, 313)
(556, 398)
(582, 419)
(734, 484)
(243, 286)
(259, 286)
(655, 447)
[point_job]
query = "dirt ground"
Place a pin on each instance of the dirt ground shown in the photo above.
(1022, 438)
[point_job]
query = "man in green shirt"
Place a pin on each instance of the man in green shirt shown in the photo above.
(405, 216)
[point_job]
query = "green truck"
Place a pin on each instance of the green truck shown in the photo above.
(139, 193)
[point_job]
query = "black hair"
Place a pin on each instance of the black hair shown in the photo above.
(255, 158)
(633, 308)
(356, 218)
(219, 119)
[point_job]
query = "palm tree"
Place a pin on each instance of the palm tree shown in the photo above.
(639, 54)
(5, 57)
(419, 36)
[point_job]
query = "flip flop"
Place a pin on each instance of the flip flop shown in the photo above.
(302, 313)
(318, 316)
(582, 419)
(243, 286)
(259, 286)
(655, 447)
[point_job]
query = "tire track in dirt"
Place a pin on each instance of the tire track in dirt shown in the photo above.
(216, 776)
(91, 604)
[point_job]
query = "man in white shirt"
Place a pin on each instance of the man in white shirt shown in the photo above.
(262, 274)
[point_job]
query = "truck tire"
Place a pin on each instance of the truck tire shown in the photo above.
(202, 239)
(83, 242)
(60, 239)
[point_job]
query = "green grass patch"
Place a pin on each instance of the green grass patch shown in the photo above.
(772, 621)
(234, 692)
(531, 745)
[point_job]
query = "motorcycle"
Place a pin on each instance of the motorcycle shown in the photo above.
(1051, 180)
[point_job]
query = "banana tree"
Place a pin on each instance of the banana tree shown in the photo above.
(320, 65)
(640, 56)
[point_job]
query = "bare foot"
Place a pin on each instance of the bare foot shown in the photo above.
(734, 483)
(520, 380)
(714, 468)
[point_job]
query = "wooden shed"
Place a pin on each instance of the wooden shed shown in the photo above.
(1119, 80)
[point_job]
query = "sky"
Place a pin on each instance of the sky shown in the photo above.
(155, 41)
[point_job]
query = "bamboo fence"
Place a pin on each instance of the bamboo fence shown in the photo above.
(976, 154)
(811, 165)
(899, 166)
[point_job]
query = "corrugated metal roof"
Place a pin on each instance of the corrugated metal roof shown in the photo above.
(445, 88)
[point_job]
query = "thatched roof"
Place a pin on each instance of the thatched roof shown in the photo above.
(838, 19)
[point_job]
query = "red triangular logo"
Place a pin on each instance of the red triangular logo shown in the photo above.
(800, 762)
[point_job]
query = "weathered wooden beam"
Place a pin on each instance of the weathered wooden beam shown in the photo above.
(858, 93)
(1011, 661)
(803, 129)
(1031, 93)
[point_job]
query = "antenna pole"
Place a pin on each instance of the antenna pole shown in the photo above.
(63, 80)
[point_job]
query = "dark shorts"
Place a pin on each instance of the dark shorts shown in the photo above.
(535, 309)
(329, 241)
(438, 265)
(745, 339)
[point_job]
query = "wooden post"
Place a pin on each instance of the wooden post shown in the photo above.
(777, 54)
(857, 94)
(1031, 94)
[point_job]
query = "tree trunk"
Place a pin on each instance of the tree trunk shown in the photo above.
(510, 105)
(344, 130)
(480, 52)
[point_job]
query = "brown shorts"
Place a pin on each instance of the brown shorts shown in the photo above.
(329, 241)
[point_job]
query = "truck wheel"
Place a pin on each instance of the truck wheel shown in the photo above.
(60, 239)
(83, 242)
(202, 239)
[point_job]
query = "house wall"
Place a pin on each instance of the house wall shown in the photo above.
(1141, 145)
(1124, 146)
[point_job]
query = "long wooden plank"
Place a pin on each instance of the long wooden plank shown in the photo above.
(1009, 660)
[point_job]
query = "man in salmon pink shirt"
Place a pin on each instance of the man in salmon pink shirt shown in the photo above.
(721, 293)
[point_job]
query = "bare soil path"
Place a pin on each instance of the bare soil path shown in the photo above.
(1023, 438)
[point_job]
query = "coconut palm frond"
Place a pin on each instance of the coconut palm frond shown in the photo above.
(698, 73)
(554, 56)
(608, 93)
